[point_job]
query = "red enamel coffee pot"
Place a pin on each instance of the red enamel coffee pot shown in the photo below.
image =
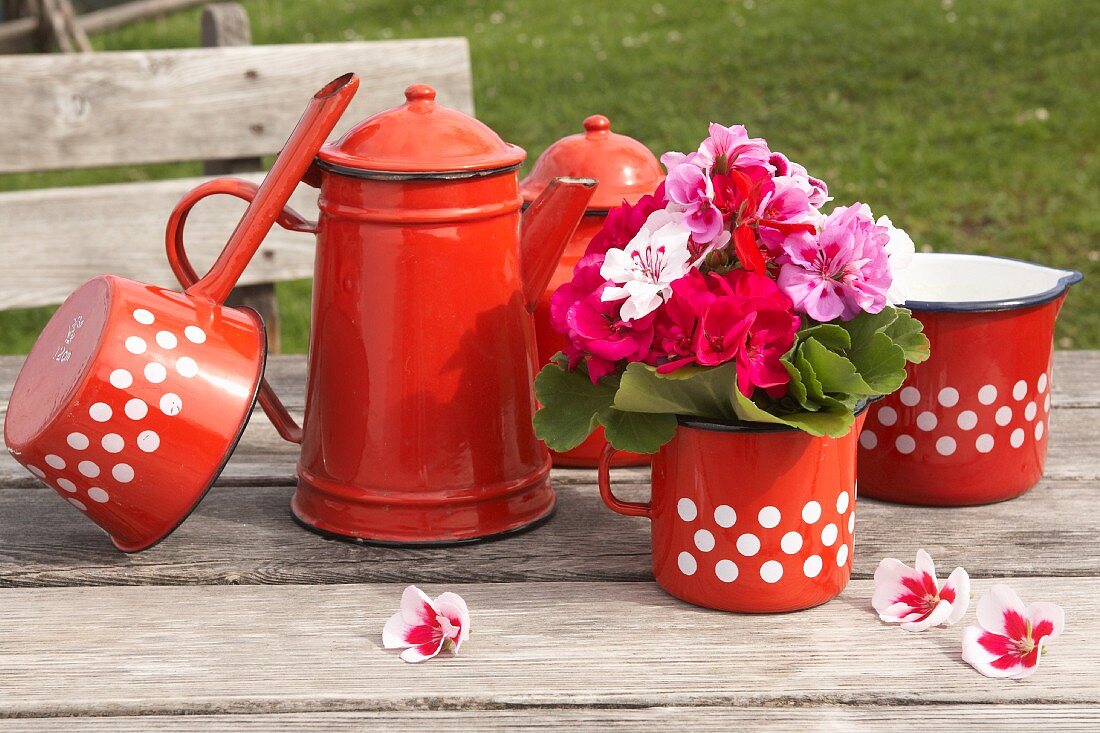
(626, 170)
(422, 353)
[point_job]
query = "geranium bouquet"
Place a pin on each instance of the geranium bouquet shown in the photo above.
(728, 295)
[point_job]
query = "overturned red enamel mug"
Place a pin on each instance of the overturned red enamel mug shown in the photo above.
(751, 518)
(134, 396)
(971, 424)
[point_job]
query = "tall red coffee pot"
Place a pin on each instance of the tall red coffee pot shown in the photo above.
(422, 352)
(626, 170)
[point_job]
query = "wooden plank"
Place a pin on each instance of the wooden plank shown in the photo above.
(263, 458)
(864, 718)
(245, 535)
(132, 107)
(1076, 380)
(54, 240)
(294, 649)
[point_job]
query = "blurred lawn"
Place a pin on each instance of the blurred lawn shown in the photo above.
(973, 124)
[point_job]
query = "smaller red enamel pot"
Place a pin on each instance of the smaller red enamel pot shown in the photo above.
(626, 171)
(756, 519)
(970, 425)
(133, 397)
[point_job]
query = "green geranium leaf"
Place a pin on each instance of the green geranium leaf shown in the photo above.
(704, 392)
(908, 333)
(880, 362)
(570, 405)
(796, 388)
(833, 421)
(816, 399)
(838, 374)
(830, 335)
(639, 432)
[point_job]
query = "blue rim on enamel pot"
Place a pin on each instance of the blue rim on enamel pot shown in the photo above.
(966, 283)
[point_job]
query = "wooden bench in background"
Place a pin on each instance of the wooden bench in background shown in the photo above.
(227, 106)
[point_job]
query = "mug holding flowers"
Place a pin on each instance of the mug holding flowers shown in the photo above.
(728, 295)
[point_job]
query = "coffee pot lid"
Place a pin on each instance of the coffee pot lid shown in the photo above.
(625, 168)
(420, 138)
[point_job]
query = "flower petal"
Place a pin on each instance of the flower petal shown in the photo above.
(958, 586)
(979, 655)
(939, 614)
(416, 608)
(423, 652)
(394, 632)
(895, 596)
(1047, 620)
(453, 606)
(1001, 611)
(927, 570)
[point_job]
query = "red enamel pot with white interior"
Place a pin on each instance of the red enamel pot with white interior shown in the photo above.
(970, 425)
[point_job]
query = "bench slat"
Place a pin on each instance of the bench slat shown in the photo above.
(134, 107)
(249, 649)
(53, 240)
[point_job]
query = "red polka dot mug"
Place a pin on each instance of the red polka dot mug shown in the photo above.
(751, 518)
(970, 426)
(134, 396)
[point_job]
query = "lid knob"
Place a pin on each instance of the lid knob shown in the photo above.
(420, 92)
(596, 124)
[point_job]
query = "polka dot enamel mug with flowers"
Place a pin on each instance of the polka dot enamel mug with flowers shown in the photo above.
(752, 518)
(970, 426)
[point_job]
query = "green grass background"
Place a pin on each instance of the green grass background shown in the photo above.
(972, 123)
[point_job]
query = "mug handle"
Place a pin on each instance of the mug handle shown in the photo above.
(628, 508)
(289, 219)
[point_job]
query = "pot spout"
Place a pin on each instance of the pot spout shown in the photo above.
(547, 226)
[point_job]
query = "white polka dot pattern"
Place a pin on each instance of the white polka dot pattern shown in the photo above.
(958, 423)
(781, 546)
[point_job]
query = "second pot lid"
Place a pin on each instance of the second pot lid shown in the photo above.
(420, 136)
(625, 168)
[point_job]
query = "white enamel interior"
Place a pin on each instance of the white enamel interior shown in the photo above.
(961, 278)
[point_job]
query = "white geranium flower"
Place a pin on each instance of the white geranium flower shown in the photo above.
(643, 271)
(900, 249)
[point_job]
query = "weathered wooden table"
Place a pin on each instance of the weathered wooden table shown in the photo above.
(244, 620)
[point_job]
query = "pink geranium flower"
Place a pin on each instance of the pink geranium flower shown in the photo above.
(843, 272)
(424, 627)
(815, 188)
(914, 597)
(691, 188)
(1010, 638)
(731, 147)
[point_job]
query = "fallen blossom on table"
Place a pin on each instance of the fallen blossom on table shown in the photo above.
(425, 627)
(1010, 637)
(914, 598)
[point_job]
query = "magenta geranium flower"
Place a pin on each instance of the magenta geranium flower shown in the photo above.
(841, 273)
(914, 597)
(424, 627)
(1010, 638)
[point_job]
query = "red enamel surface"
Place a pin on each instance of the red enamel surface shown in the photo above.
(422, 356)
(970, 426)
(753, 522)
(142, 429)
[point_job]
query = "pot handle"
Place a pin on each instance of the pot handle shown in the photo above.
(289, 219)
(628, 508)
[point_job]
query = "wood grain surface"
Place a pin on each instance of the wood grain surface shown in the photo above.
(135, 107)
(282, 649)
(244, 620)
